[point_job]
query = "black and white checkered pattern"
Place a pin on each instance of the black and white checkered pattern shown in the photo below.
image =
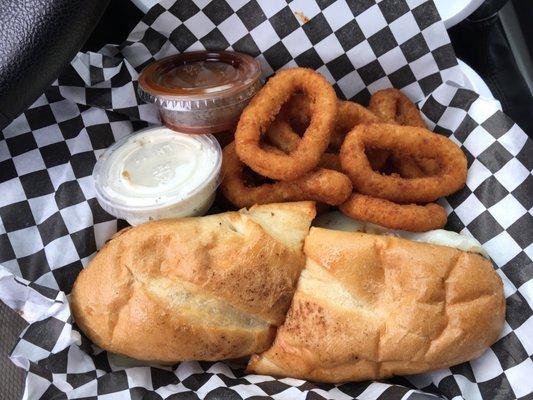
(51, 223)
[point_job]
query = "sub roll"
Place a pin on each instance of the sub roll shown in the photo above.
(371, 306)
(205, 288)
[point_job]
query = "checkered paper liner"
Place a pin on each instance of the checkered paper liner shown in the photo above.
(51, 224)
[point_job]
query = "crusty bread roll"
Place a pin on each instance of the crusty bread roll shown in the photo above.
(205, 288)
(369, 307)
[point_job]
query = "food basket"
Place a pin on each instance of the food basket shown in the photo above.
(51, 223)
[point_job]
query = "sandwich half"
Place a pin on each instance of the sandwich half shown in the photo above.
(206, 288)
(373, 306)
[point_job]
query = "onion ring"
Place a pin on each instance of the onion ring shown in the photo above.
(378, 158)
(407, 217)
(350, 114)
(331, 161)
(414, 167)
(410, 141)
(322, 185)
(297, 113)
(284, 138)
(395, 107)
(282, 135)
(262, 109)
(406, 167)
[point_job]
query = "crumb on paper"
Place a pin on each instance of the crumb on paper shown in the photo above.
(302, 17)
(20, 312)
(126, 175)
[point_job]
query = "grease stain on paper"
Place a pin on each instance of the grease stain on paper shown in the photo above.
(302, 17)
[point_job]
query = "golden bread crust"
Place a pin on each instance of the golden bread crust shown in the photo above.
(369, 307)
(196, 288)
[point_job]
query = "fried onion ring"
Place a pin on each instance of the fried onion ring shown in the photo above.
(259, 114)
(322, 185)
(414, 167)
(282, 135)
(350, 114)
(330, 161)
(297, 113)
(395, 107)
(284, 138)
(407, 217)
(410, 141)
(406, 167)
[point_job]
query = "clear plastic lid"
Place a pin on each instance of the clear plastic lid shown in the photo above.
(200, 80)
(158, 173)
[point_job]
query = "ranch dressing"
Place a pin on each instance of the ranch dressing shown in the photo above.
(158, 173)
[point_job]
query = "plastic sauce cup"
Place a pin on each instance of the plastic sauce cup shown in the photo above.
(158, 173)
(201, 91)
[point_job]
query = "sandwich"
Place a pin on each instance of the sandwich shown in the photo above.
(206, 288)
(373, 306)
(319, 304)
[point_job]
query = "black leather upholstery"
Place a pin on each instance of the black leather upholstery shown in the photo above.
(37, 39)
(481, 42)
(488, 9)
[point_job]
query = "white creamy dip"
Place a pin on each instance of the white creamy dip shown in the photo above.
(158, 173)
(338, 221)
